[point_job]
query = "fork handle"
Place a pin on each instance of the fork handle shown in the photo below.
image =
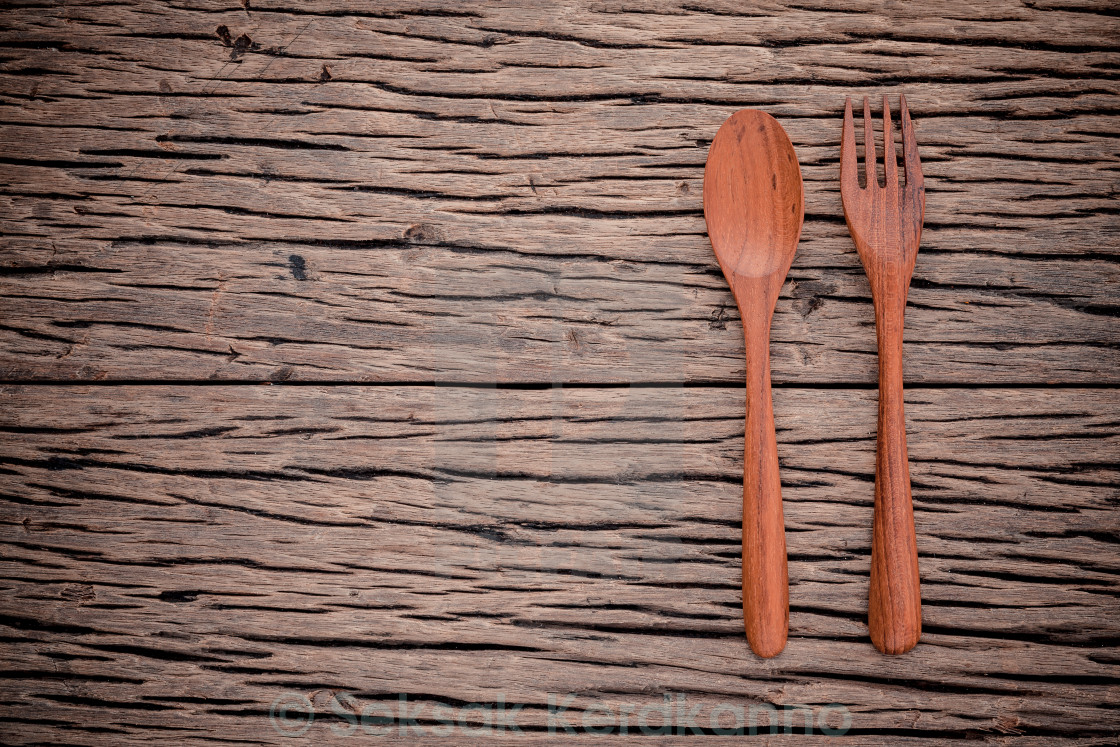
(765, 572)
(895, 608)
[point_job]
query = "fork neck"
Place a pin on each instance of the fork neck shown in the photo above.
(890, 311)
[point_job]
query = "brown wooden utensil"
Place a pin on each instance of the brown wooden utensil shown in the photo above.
(754, 206)
(886, 225)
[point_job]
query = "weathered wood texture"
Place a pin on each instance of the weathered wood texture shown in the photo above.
(429, 191)
(401, 193)
(181, 556)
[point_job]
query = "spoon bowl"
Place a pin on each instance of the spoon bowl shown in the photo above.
(753, 198)
(754, 206)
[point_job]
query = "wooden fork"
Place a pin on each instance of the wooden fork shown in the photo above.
(886, 225)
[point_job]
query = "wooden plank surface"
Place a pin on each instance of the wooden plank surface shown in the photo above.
(464, 244)
(480, 196)
(265, 539)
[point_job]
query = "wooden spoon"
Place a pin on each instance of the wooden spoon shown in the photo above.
(754, 206)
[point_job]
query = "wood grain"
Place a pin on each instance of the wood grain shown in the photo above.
(328, 193)
(484, 198)
(206, 549)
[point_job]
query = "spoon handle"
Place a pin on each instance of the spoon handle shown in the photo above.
(765, 575)
(895, 608)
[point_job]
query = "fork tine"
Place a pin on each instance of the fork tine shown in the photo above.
(914, 179)
(869, 147)
(849, 175)
(890, 159)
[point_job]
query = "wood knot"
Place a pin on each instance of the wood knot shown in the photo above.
(421, 232)
(241, 45)
(297, 265)
(808, 295)
(77, 592)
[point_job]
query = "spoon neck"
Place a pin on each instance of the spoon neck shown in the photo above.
(756, 338)
(756, 298)
(756, 311)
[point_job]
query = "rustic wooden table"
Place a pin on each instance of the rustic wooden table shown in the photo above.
(368, 356)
